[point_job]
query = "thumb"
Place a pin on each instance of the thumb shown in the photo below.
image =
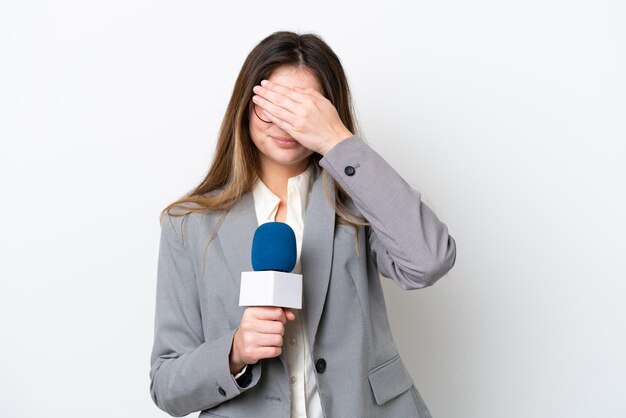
(289, 314)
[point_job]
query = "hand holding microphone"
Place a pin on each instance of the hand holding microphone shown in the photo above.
(269, 291)
(260, 335)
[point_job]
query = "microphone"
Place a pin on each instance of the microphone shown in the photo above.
(274, 256)
(274, 247)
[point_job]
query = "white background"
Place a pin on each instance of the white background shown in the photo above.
(507, 116)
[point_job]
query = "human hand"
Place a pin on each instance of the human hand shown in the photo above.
(260, 335)
(304, 113)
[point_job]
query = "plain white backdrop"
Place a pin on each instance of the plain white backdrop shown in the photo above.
(507, 116)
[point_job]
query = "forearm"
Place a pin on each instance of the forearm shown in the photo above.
(412, 244)
(197, 380)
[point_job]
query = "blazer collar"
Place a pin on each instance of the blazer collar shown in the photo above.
(235, 236)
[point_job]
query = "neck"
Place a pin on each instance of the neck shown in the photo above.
(275, 176)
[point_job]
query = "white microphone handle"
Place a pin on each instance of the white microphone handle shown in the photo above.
(271, 288)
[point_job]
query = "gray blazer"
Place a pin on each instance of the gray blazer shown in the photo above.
(359, 371)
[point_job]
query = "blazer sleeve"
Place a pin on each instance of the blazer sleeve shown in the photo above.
(408, 243)
(187, 372)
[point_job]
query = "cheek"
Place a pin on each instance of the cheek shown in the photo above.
(255, 140)
(258, 137)
(255, 130)
(255, 124)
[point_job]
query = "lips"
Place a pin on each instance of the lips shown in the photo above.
(284, 141)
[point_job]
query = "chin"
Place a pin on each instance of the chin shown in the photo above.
(290, 157)
(290, 161)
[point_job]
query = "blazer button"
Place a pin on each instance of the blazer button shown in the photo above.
(349, 170)
(320, 365)
(221, 391)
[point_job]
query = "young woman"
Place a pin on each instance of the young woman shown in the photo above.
(288, 151)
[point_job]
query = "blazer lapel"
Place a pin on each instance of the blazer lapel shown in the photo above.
(235, 236)
(317, 253)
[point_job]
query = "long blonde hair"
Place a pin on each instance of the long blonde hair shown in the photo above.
(235, 165)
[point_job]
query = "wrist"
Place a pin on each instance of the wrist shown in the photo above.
(332, 142)
(235, 363)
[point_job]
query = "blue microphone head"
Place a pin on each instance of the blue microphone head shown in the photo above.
(274, 247)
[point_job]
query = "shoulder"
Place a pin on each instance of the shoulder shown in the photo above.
(190, 207)
(190, 227)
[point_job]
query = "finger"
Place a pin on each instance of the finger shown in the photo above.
(268, 352)
(276, 98)
(285, 126)
(268, 340)
(289, 314)
(268, 312)
(267, 327)
(310, 91)
(274, 110)
(289, 92)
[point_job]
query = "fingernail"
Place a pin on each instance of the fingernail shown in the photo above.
(256, 89)
(264, 82)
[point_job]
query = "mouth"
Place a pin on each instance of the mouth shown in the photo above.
(284, 140)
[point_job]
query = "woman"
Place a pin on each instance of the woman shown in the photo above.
(288, 151)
